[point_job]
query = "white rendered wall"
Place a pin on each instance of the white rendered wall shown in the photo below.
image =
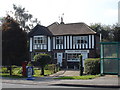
(53, 42)
(49, 44)
(64, 42)
(68, 42)
(71, 42)
(89, 41)
(30, 44)
(92, 41)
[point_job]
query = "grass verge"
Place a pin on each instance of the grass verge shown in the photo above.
(17, 72)
(85, 77)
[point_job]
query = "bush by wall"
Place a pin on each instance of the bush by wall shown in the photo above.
(92, 66)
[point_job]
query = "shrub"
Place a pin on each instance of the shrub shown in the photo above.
(92, 66)
(52, 67)
(42, 60)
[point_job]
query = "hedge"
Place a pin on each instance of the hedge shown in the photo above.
(92, 66)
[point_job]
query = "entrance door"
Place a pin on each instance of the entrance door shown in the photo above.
(59, 59)
(84, 56)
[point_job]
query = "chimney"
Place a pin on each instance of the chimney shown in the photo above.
(62, 19)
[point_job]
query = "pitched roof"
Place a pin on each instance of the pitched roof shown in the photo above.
(70, 29)
(39, 30)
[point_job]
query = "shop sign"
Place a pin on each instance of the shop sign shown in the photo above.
(76, 51)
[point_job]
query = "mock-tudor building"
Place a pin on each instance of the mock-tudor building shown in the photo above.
(65, 42)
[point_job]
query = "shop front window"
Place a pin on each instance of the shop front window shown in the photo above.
(73, 57)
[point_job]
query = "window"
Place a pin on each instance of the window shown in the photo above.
(40, 42)
(59, 42)
(73, 57)
(80, 40)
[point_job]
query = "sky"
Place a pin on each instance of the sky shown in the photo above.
(49, 11)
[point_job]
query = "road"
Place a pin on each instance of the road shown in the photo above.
(9, 85)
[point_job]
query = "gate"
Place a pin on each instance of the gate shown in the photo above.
(110, 58)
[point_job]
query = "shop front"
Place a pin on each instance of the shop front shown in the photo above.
(73, 59)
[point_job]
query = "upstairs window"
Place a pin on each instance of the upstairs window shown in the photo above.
(80, 39)
(40, 40)
(59, 40)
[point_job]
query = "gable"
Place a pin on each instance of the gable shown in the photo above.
(39, 30)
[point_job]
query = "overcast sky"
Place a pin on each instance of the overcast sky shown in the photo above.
(49, 11)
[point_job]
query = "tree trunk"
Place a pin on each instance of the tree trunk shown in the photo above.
(42, 70)
(10, 70)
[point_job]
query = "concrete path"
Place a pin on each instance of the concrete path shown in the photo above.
(66, 73)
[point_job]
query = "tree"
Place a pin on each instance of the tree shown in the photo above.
(42, 60)
(116, 34)
(14, 43)
(105, 30)
(24, 18)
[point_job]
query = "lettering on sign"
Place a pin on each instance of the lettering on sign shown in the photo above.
(77, 51)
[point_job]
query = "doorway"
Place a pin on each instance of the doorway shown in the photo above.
(59, 59)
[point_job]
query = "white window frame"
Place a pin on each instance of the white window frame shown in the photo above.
(59, 42)
(80, 39)
(73, 59)
(40, 42)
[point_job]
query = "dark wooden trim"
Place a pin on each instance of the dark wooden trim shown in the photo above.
(72, 42)
(66, 42)
(63, 43)
(91, 41)
(75, 44)
(88, 42)
(51, 42)
(55, 42)
(69, 42)
(95, 41)
(78, 46)
(32, 43)
(47, 43)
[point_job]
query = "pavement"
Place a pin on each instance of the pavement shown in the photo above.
(110, 81)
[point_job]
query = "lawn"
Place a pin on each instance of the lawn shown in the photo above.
(17, 72)
(85, 77)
